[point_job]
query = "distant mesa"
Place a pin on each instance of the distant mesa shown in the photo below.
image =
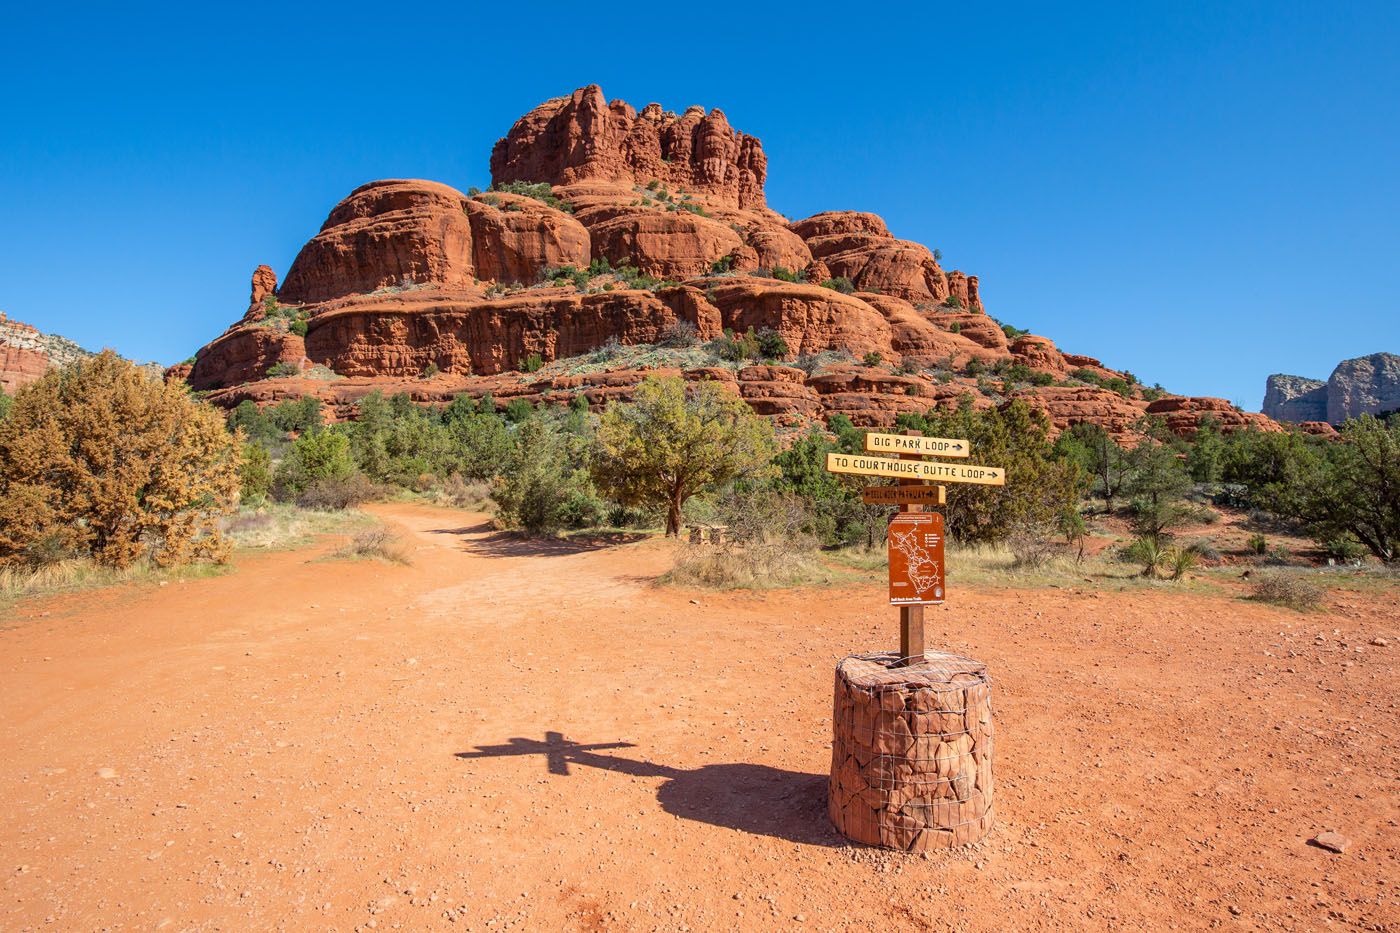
(608, 228)
(1364, 385)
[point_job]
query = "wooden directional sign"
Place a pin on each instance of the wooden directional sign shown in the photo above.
(916, 559)
(915, 469)
(916, 444)
(904, 495)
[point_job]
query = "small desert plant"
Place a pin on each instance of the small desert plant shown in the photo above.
(734, 348)
(430, 371)
(840, 284)
(1148, 552)
(1290, 590)
(952, 301)
(459, 493)
(678, 335)
(771, 345)
(376, 543)
(1257, 544)
(1180, 561)
(1031, 547)
(1344, 547)
(334, 493)
(721, 265)
(298, 327)
(532, 363)
(278, 370)
(873, 358)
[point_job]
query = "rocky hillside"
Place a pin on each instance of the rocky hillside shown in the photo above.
(1364, 385)
(25, 353)
(616, 242)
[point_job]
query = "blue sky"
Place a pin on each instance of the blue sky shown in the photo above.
(1200, 193)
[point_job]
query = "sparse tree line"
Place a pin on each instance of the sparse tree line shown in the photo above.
(100, 461)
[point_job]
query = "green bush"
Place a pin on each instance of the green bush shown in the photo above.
(952, 301)
(278, 370)
(430, 371)
(537, 190)
(317, 455)
(722, 264)
(735, 349)
(1040, 489)
(873, 358)
(254, 472)
(532, 363)
(543, 486)
(298, 327)
(771, 345)
(840, 284)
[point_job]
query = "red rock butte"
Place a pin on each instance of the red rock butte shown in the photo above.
(415, 286)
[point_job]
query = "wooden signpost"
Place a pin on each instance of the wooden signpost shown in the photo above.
(915, 539)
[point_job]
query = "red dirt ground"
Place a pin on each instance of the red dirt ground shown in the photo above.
(349, 745)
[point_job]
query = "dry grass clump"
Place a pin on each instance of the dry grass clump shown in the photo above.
(281, 525)
(375, 544)
(1289, 590)
(458, 493)
(764, 546)
(728, 567)
(78, 573)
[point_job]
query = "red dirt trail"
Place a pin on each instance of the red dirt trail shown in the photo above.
(512, 736)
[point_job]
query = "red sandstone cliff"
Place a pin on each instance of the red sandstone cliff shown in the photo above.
(26, 353)
(407, 278)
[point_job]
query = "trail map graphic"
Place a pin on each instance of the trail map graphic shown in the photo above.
(916, 558)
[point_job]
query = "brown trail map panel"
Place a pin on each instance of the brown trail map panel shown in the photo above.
(915, 541)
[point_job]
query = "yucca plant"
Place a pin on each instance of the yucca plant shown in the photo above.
(1148, 552)
(1180, 560)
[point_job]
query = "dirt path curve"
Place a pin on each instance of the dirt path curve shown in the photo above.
(509, 735)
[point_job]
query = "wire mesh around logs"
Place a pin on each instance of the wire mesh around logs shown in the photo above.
(911, 754)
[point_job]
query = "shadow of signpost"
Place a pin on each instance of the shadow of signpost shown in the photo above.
(749, 798)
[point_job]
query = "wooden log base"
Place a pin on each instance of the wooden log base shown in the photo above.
(911, 753)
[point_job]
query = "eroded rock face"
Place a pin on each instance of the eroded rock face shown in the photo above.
(26, 353)
(664, 244)
(386, 233)
(244, 354)
(582, 136)
(399, 336)
(1070, 405)
(1185, 414)
(1040, 353)
(858, 246)
(409, 277)
(1295, 398)
(1365, 385)
(264, 285)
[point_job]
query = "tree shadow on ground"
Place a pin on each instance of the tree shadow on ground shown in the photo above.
(513, 544)
(746, 797)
